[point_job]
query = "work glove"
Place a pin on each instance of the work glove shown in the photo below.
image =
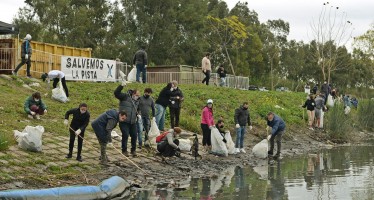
(250, 127)
(172, 89)
(123, 83)
(77, 132)
(32, 113)
(237, 126)
(45, 111)
(153, 118)
(139, 117)
(145, 66)
(211, 127)
(26, 56)
(66, 122)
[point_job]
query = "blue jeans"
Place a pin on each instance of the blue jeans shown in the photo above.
(160, 116)
(140, 68)
(143, 125)
(240, 136)
(223, 81)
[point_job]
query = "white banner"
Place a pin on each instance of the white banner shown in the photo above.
(88, 69)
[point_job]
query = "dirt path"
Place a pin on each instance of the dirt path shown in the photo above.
(21, 169)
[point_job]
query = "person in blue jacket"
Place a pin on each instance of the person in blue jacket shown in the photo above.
(103, 126)
(278, 127)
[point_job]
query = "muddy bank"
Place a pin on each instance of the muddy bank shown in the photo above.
(176, 172)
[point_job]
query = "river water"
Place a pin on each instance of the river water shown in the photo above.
(339, 173)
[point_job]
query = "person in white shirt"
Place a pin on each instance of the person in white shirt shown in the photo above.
(57, 76)
(207, 68)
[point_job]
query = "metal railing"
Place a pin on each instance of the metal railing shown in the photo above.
(238, 82)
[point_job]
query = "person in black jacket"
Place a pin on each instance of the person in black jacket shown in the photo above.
(310, 106)
(241, 119)
(129, 102)
(140, 61)
(176, 99)
(81, 118)
(161, 103)
(222, 75)
(26, 52)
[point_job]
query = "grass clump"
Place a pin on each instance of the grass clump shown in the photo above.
(366, 114)
(339, 125)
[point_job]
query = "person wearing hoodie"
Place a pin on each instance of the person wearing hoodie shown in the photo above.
(146, 104)
(207, 124)
(241, 119)
(26, 52)
(103, 126)
(176, 99)
(140, 60)
(129, 102)
(161, 104)
(34, 106)
(310, 106)
(278, 127)
(81, 118)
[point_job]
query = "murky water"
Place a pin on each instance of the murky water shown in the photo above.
(341, 173)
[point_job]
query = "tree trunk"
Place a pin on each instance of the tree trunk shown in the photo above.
(228, 56)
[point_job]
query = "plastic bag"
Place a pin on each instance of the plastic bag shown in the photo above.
(153, 131)
(58, 93)
(184, 144)
(321, 120)
(260, 150)
(30, 138)
(229, 143)
(330, 101)
(218, 146)
(131, 77)
(347, 110)
(115, 136)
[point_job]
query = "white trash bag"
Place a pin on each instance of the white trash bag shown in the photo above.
(185, 144)
(30, 138)
(153, 133)
(261, 149)
(58, 93)
(131, 77)
(218, 146)
(115, 136)
(330, 101)
(229, 143)
(347, 110)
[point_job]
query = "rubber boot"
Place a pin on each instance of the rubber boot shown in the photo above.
(104, 159)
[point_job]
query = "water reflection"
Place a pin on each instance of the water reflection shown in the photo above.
(342, 173)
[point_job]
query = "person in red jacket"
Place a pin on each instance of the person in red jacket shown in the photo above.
(207, 124)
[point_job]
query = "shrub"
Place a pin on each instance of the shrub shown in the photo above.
(338, 125)
(366, 114)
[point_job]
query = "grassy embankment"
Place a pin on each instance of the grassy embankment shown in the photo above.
(99, 97)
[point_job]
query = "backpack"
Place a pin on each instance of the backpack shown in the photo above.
(161, 136)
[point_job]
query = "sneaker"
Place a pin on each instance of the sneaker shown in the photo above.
(30, 116)
(14, 73)
(126, 153)
(242, 150)
(133, 153)
(79, 158)
(237, 150)
(28, 76)
(37, 116)
(69, 156)
(311, 128)
(140, 146)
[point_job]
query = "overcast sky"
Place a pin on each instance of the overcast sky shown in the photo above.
(299, 13)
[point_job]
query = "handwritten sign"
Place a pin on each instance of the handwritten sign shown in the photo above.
(88, 69)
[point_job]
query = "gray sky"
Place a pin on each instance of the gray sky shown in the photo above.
(299, 13)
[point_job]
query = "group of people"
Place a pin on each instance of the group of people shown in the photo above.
(206, 67)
